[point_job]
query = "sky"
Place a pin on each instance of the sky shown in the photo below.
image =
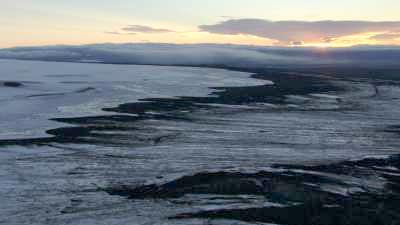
(323, 23)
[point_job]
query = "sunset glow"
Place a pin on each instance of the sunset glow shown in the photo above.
(283, 23)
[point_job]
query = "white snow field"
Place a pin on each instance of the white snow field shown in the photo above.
(53, 90)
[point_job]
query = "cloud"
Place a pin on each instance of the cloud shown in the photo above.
(296, 43)
(119, 33)
(287, 32)
(135, 29)
(209, 54)
(145, 29)
(387, 36)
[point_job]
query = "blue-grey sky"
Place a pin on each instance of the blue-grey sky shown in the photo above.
(44, 22)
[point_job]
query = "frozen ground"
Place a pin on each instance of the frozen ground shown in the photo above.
(80, 167)
(51, 90)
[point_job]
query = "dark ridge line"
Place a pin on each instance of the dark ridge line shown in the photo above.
(360, 210)
(45, 95)
(197, 183)
(349, 167)
(225, 183)
(83, 90)
(302, 204)
(12, 84)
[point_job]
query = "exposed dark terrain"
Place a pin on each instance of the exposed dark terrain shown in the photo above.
(319, 146)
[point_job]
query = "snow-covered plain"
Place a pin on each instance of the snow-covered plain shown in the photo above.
(61, 183)
(35, 192)
(54, 90)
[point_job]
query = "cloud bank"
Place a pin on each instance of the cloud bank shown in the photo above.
(119, 33)
(145, 29)
(387, 36)
(209, 55)
(297, 32)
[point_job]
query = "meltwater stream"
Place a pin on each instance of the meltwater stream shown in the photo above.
(126, 144)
